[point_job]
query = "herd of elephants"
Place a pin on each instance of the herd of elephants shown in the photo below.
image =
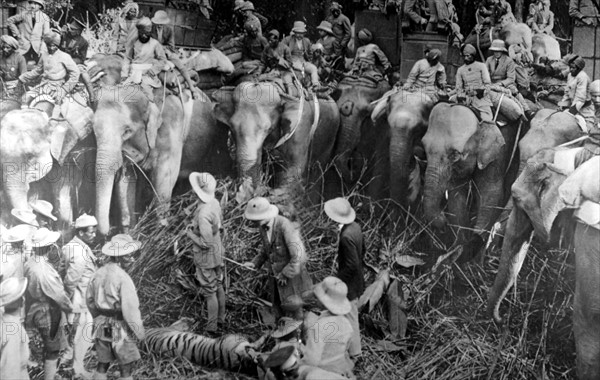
(435, 158)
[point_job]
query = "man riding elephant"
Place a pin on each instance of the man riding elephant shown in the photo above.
(341, 27)
(301, 57)
(472, 83)
(125, 26)
(56, 69)
(163, 32)
(577, 98)
(368, 56)
(144, 60)
(427, 75)
(29, 28)
(502, 71)
(76, 46)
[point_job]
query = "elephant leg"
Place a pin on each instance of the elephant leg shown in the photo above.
(586, 313)
(165, 175)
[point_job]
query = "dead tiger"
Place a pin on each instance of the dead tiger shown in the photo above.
(232, 352)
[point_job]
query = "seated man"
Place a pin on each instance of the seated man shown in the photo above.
(144, 60)
(428, 75)
(76, 46)
(472, 83)
(543, 22)
(301, 57)
(327, 40)
(368, 56)
(577, 98)
(503, 75)
(245, 12)
(318, 59)
(253, 45)
(276, 55)
(162, 31)
(58, 73)
(12, 65)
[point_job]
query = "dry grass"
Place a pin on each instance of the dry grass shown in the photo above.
(448, 335)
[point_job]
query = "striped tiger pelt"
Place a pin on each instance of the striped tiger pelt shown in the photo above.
(227, 352)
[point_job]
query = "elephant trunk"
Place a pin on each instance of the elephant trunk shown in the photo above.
(514, 248)
(108, 160)
(400, 159)
(248, 162)
(437, 176)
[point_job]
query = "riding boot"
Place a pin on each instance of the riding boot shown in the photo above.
(50, 369)
(212, 311)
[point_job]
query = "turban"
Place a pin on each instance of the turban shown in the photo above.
(274, 33)
(365, 35)
(595, 88)
(469, 49)
(10, 41)
(434, 54)
(52, 38)
(144, 24)
(578, 62)
(129, 6)
(335, 5)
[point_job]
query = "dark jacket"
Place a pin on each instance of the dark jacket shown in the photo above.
(285, 254)
(166, 38)
(351, 251)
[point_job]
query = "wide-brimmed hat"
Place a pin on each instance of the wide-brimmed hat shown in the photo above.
(40, 2)
(245, 6)
(204, 185)
(18, 233)
(76, 25)
(340, 210)
(299, 27)
(285, 326)
(12, 289)
(282, 358)
(42, 207)
(121, 245)
(26, 216)
(260, 208)
(43, 237)
(333, 292)
(161, 17)
(85, 221)
(498, 45)
(325, 26)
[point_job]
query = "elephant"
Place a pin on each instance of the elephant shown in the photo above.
(260, 116)
(512, 33)
(362, 144)
(462, 151)
(33, 149)
(169, 141)
(548, 185)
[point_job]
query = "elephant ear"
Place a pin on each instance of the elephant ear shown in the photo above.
(153, 123)
(223, 106)
(490, 144)
(65, 136)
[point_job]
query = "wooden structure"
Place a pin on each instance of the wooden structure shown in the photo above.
(6, 11)
(586, 44)
(404, 49)
(192, 29)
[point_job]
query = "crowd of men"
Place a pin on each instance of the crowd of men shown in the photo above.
(68, 292)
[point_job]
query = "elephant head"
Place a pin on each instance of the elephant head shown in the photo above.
(127, 123)
(456, 144)
(33, 148)
(355, 104)
(259, 116)
(536, 205)
(408, 117)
